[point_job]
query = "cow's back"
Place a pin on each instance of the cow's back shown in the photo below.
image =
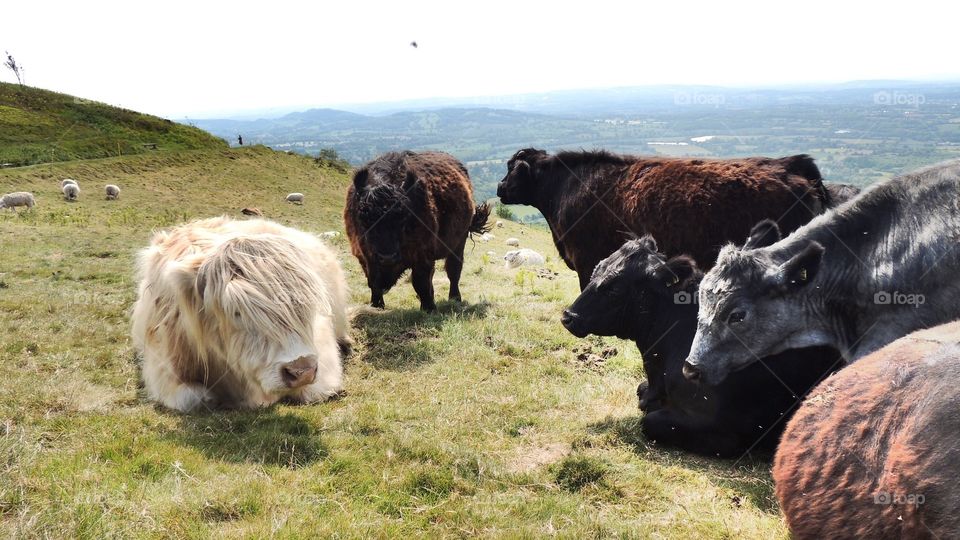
(694, 206)
(448, 205)
(872, 452)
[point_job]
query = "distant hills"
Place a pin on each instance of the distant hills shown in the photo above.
(859, 132)
(40, 126)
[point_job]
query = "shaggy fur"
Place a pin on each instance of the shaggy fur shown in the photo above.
(71, 192)
(225, 307)
(639, 294)
(66, 181)
(593, 201)
(874, 269)
(406, 210)
(20, 198)
(873, 451)
(112, 191)
(295, 198)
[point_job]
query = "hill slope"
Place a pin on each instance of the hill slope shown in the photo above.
(40, 126)
(480, 420)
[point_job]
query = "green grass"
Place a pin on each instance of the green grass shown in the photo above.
(40, 126)
(474, 421)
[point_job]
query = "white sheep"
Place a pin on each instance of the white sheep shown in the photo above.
(295, 198)
(486, 237)
(499, 223)
(71, 192)
(512, 242)
(521, 257)
(113, 192)
(20, 198)
(66, 181)
(329, 235)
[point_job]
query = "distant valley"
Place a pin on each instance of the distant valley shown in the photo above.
(858, 132)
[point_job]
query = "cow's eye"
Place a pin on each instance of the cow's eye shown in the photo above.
(736, 316)
(613, 287)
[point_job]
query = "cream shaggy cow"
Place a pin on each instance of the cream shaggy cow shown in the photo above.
(239, 314)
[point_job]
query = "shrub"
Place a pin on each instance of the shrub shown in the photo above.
(505, 212)
(329, 158)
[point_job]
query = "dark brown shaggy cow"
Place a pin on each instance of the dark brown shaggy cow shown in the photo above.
(874, 450)
(594, 201)
(404, 211)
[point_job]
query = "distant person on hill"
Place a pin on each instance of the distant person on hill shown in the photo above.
(240, 139)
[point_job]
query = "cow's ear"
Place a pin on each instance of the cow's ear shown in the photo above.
(410, 181)
(676, 271)
(802, 267)
(360, 178)
(521, 168)
(647, 242)
(763, 234)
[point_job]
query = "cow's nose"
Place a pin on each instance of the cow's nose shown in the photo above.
(389, 257)
(691, 372)
(300, 372)
(567, 318)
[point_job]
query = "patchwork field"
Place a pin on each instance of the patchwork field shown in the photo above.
(484, 419)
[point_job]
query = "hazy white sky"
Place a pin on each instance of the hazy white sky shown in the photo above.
(198, 58)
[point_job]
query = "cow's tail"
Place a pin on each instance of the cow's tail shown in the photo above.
(481, 216)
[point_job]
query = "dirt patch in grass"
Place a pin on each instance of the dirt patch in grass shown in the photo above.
(530, 458)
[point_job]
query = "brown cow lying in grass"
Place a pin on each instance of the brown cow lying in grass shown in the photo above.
(595, 201)
(406, 210)
(874, 450)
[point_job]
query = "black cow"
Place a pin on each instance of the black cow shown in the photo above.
(406, 210)
(840, 193)
(855, 279)
(638, 294)
(593, 201)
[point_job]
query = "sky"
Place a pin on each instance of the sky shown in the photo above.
(211, 59)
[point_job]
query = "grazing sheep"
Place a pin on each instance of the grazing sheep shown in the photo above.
(499, 223)
(329, 235)
(873, 450)
(512, 242)
(113, 192)
(521, 257)
(20, 198)
(486, 237)
(239, 314)
(295, 198)
(71, 192)
(66, 181)
(251, 211)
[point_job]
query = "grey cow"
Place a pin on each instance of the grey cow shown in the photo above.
(856, 278)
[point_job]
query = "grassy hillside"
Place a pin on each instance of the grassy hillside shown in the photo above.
(40, 126)
(482, 420)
